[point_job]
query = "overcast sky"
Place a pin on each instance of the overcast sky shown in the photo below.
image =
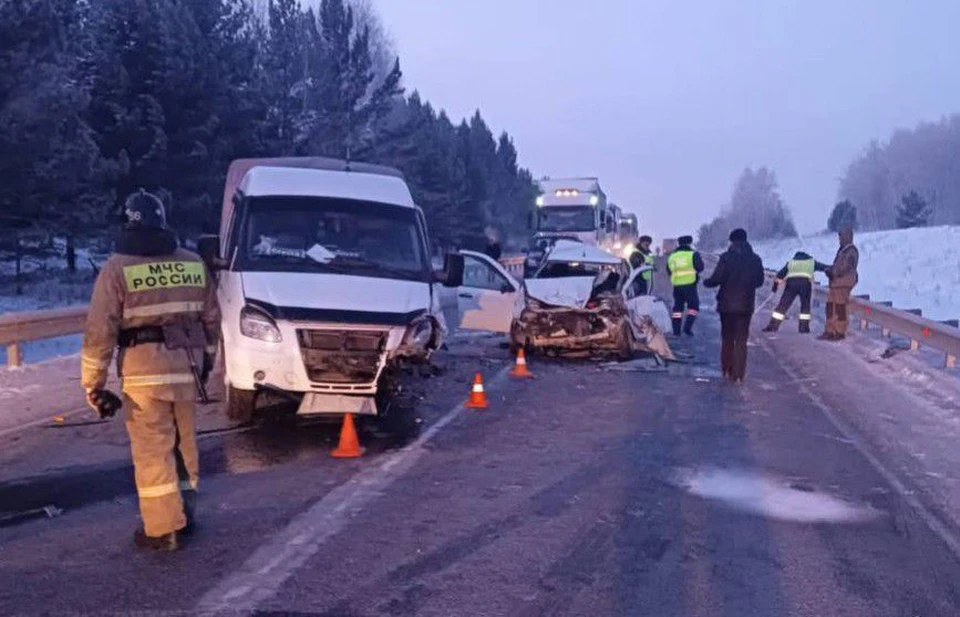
(666, 102)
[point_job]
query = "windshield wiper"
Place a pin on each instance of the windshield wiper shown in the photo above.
(367, 263)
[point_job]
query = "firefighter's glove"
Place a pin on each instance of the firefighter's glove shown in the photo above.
(207, 367)
(104, 402)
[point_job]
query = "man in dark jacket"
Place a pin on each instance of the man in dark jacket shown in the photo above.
(738, 275)
(843, 278)
(492, 250)
(685, 265)
(797, 278)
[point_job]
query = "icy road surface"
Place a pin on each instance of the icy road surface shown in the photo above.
(586, 491)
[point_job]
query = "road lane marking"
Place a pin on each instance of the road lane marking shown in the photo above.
(938, 527)
(264, 572)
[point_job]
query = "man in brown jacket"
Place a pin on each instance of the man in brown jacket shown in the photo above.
(157, 303)
(843, 278)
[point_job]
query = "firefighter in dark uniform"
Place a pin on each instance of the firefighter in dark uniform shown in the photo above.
(685, 265)
(797, 278)
(157, 303)
(642, 256)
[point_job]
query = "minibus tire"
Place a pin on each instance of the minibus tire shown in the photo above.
(241, 404)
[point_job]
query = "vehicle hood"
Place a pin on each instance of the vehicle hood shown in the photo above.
(567, 251)
(337, 297)
(572, 291)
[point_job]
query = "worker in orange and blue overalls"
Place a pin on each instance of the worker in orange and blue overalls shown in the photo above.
(797, 278)
(685, 265)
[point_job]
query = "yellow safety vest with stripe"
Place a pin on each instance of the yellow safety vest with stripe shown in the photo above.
(134, 291)
(682, 269)
(801, 268)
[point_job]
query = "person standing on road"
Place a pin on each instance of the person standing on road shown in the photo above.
(642, 256)
(797, 278)
(738, 274)
(843, 278)
(685, 265)
(157, 303)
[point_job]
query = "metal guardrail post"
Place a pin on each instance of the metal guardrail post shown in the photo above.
(19, 328)
(14, 355)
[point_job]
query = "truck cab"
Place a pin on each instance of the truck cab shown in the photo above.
(325, 284)
(573, 208)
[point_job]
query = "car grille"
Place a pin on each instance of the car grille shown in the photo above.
(342, 356)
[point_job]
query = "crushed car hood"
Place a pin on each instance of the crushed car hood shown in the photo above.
(572, 291)
(337, 293)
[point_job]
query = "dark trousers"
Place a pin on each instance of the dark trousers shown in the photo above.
(795, 287)
(734, 331)
(685, 297)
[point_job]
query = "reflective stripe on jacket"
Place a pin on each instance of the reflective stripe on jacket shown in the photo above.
(135, 291)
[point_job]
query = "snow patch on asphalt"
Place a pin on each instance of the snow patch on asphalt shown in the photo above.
(771, 497)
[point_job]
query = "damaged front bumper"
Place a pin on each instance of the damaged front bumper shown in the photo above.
(600, 327)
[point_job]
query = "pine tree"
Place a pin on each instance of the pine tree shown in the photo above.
(54, 177)
(107, 96)
(913, 211)
(844, 215)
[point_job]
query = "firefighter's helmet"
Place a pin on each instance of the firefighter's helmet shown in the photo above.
(143, 209)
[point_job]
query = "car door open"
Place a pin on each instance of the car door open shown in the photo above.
(488, 298)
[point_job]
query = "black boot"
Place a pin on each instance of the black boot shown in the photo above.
(804, 326)
(688, 325)
(773, 326)
(677, 323)
(166, 543)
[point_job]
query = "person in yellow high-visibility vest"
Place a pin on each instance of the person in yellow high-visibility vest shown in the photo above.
(685, 265)
(797, 278)
(640, 257)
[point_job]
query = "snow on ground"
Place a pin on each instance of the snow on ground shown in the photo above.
(913, 268)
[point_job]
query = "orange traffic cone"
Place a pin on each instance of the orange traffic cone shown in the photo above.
(349, 446)
(520, 368)
(478, 398)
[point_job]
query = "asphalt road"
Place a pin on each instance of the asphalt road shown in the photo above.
(586, 491)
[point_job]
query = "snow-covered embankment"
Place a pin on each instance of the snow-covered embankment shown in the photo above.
(913, 268)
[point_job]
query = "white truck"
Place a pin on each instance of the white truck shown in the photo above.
(573, 209)
(325, 284)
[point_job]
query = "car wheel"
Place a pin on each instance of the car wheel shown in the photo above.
(241, 404)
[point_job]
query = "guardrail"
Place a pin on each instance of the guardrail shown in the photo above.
(19, 328)
(514, 264)
(908, 323)
(942, 336)
(24, 327)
